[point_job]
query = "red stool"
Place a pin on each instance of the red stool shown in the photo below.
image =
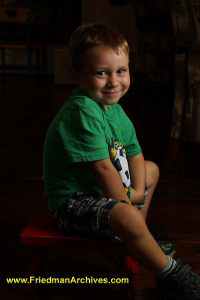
(41, 233)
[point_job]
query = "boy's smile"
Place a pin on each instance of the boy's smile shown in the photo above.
(104, 75)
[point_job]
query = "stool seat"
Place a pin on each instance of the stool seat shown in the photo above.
(41, 233)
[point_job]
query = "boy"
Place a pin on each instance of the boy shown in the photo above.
(96, 178)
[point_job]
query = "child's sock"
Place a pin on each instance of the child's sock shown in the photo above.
(168, 269)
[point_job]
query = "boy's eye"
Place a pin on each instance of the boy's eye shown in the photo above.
(121, 71)
(101, 73)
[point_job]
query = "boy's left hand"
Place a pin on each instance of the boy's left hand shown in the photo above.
(136, 196)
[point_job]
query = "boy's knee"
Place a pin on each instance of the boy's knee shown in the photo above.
(126, 220)
(156, 170)
(153, 173)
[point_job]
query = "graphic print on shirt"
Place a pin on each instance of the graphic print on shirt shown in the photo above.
(118, 158)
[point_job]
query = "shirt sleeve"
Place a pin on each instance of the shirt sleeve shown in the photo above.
(83, 135)
(130, 140)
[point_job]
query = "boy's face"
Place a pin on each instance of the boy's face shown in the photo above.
(104, 75)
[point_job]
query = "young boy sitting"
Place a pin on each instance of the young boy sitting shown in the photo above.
(96, 178)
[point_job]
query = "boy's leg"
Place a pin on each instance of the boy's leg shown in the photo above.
(128, 224)
(175, 279)
(152, 176)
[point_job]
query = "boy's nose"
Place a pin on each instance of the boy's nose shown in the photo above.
(112, 81)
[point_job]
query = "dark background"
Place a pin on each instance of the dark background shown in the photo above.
(27, 105)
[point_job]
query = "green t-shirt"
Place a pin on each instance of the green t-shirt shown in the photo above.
(81, 132)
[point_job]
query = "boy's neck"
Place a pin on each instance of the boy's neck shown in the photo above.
(105, 107)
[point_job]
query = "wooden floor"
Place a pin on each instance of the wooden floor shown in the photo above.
(26, 108)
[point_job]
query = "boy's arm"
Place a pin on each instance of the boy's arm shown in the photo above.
(108, 179)
(137, 169)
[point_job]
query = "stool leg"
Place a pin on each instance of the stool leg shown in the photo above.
(131, 268)
(130, 265)
(36, 262)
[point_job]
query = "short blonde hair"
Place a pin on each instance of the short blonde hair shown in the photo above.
(88, 36)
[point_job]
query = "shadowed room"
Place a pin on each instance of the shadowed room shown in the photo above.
(163, 102)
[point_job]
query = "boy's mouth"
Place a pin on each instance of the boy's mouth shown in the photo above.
(110, 92)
